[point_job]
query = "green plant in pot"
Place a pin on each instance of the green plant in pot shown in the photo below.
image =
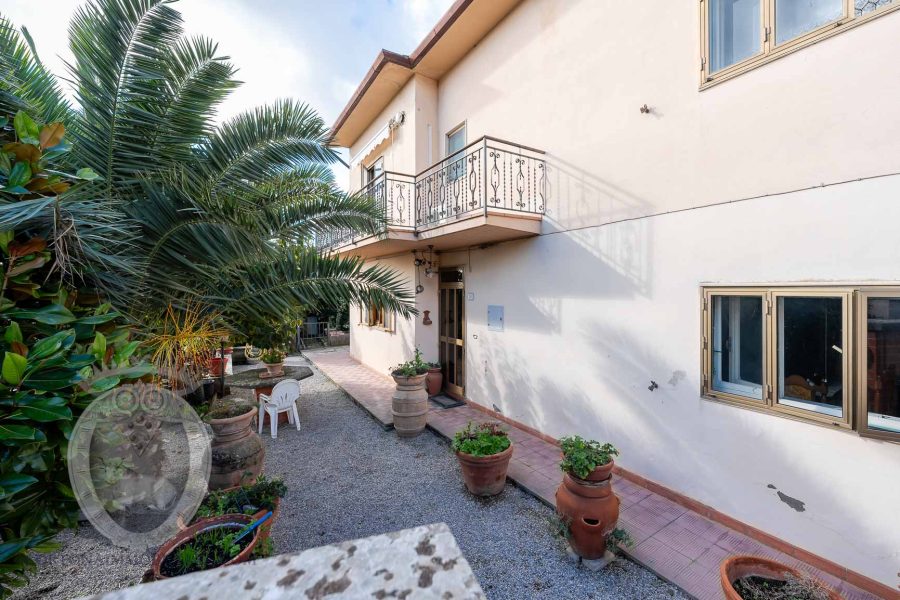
(585, 499)
(273, 358)
(409, 404)
(483, 451)
(208, 544)
(589, 460)
(253, 499)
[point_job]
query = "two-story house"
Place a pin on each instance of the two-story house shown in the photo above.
(668, 225)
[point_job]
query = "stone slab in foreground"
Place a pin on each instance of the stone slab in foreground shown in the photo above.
(423, 562)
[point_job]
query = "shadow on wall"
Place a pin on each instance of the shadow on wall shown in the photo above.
(662, 435)
(578, 201)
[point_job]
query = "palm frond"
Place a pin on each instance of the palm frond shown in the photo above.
(25, 84)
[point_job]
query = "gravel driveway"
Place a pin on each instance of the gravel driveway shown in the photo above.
(348, 478)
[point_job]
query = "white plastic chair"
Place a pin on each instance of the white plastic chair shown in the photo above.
(283, 399)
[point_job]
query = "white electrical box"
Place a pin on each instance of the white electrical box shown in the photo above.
(495, 318)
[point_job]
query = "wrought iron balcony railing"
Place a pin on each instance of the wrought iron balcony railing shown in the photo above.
(487, 175)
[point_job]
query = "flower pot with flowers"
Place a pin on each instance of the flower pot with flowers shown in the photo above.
(274, 361)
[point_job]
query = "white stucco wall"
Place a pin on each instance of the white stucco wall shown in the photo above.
(609, 298)
(592, 316)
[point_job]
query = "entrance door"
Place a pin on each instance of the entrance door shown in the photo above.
(453, 331)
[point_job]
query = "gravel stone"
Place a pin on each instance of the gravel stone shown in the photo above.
(348, 478)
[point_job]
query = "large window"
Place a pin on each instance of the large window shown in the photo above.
(740, 34)
(828, 355)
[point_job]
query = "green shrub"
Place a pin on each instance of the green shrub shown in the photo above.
(60, 348)
(413, 367)
(581, 456)
(483, 439)
(248, 499)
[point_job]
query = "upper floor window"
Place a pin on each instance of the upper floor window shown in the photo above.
(373, 171)
(740, 34)
(456, 141)
(829, 355)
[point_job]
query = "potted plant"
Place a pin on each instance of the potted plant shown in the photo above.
(409, 404)
(434, 379)
(253, 500)
(237, 451)
(274, 361)
(207, 544)
(483, 450)
(756, 578)
(585, 499)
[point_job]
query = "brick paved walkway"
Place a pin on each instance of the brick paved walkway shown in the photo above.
(678, 544)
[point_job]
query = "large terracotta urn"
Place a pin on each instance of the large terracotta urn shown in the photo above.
(409, 405)
(591, 510)
(237, 451)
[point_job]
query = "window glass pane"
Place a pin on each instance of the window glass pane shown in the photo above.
(793, 18)
(734, 32)
(883, 362)
(810, 354)
(737, 345)
(456, 141)
(863, 7)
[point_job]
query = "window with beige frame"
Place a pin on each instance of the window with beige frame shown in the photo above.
(741, 34)
(376, 316)
(828, 355)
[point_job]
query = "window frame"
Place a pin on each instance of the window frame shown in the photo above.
(455, 162)
(769, 49)
(862, 328)
(369, 317)
(709, 346)
(847, 352)
(769, 404)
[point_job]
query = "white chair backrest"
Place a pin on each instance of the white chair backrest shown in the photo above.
(285, 392)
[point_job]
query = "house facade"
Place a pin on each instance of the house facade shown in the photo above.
(666, 225)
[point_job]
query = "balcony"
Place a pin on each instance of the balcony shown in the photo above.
(488, 192)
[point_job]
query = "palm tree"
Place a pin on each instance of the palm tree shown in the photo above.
(185, 210)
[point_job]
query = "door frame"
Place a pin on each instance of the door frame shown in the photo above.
(451, 389)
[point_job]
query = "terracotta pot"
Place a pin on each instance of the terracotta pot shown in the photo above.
(591, 511)
(601, 473)
(237, 451)
(409, 405)
(736, 567)
(434, 379)
(215, 366)
(239, 357)
(485, 475)
(186, 535)
(266, 527)
(275, 369)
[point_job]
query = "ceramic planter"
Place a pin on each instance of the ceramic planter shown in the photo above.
(409, 405)
(237, 451)
(485, 475)
(590, 509)
(736, 567)
(216, 366)
(275, 369)
(434, 380)
(186, 535)
(601, 473)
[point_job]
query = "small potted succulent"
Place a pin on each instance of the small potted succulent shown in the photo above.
(757, 578)
(434, 379)
(585, 498)
(483, 450)
(409, 404)
(273, 358)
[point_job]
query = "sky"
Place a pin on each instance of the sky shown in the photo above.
(315, 50)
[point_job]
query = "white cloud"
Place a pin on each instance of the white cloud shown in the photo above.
(423, 15)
